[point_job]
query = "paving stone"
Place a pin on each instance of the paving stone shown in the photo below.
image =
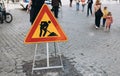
(52, 74)
(21, 74)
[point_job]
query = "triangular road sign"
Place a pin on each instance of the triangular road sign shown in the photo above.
(45, 28)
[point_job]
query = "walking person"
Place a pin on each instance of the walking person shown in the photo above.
(55, 6)
(105, 12)
(35, 6)
(109, 21)
(77, 5)
(2, 12)
(97, 1)
(70, 3)
(98, 14)
(83, 5)
(89, 7)
(7, 1)
(13, 1)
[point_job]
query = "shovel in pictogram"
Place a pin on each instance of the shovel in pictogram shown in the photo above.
(52, 33)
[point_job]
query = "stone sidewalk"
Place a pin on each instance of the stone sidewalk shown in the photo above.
(93, 52)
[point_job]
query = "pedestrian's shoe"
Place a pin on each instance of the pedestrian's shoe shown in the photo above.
(96, 27)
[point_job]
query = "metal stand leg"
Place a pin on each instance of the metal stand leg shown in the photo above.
(48, 64)
(47, 54)
(55, 48)
(60, 56)
(34, 58)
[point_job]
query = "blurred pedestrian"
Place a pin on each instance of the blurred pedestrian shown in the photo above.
(109, 21)
(83, 5)
(89, 7)
(98, 14)
(97, 1)
(105, 12)
(70, 3)
(2, 11)
(77, 5)
(13, 1)
(56, 5)
(34, 6)
(7, 1)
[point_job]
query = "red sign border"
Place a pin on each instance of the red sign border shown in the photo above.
(44, 10)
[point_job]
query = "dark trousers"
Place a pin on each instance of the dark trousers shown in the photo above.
(2, 16)
(104, 20)
(71, 3)
(32, 15)
(89, 8)
(77, 6)
(97, 20)
(35, 10)
(56, 11)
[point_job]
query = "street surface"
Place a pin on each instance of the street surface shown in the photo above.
(93, 52)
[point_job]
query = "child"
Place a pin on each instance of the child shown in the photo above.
(109, 21)
(105, 12)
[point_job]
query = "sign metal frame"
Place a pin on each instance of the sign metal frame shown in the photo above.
(48, 64)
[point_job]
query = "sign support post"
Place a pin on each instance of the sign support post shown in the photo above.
(55, 48)
(48, 64)
(34, 58)
(47, 55)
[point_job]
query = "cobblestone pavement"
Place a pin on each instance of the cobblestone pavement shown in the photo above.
(94, 52)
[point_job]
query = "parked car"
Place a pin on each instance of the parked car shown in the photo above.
(24, 3)
(48, 2)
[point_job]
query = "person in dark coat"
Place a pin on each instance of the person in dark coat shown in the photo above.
(35, 6)
(98, 14)
(90, 2)
(55, 7)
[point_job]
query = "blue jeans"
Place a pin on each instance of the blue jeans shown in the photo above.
(77, 6)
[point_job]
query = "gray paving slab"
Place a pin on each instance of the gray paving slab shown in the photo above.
(95, 51)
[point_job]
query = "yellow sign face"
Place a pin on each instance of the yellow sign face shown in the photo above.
(45, 28)
(50, 28)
